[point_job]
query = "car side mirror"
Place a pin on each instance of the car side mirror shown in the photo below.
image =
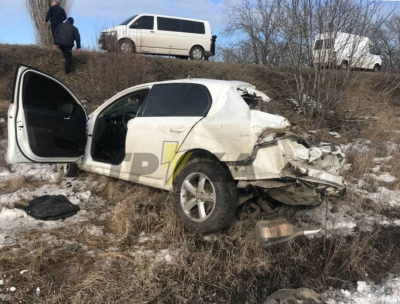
(278, 231)
(135, 24)
(378, 53)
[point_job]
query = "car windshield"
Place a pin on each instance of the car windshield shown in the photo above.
(128, 20)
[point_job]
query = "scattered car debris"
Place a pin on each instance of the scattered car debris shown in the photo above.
(50, 208)
(276, 231)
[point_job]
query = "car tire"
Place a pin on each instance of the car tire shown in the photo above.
(376, 68)
(196, 53)
(126, 46)
(68, 170)
(211, 209)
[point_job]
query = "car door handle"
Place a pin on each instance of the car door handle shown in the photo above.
(151, 31)
(176, 130)
(67, 117)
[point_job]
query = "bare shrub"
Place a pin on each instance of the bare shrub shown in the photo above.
(282, 33)
(110, 73)
(37, 10)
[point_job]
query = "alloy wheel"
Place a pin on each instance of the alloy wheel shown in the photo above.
(197, 197)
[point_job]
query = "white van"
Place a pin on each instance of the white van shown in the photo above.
(345, 50)
(161, 35)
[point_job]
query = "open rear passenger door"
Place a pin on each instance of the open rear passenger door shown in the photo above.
(46, 122)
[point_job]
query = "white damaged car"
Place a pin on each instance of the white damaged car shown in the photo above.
(204, 139)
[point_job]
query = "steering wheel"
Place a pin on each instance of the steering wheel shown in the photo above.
(126, 117)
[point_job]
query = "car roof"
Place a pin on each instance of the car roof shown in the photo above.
(216, 87)
(183, 18)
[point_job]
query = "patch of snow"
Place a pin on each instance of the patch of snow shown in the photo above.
(386, 177)
(380, 160)
(362, 145)
(14, 222)
(295, 104)
(383, 196)
(2, 120)
(367, 293)
(162, 256)
(358, 145)
(345, 217)
(23, 271)
(31, 173)
(376, 169)
(335, 134)
(148, 238)
(1, 282)
(38, 291)
(13, 288)
(95, 230)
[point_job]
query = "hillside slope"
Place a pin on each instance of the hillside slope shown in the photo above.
(100, 75)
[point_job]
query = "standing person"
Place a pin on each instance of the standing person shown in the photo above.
(64, 36)
(56, 15)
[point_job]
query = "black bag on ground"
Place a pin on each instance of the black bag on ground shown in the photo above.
(50, 208)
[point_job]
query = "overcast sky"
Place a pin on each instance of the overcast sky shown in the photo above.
(91, 16)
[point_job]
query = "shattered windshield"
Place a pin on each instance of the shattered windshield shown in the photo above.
(128, 20)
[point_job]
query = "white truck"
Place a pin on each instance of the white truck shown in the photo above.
(343, 50)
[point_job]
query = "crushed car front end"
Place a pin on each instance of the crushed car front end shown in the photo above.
(285, 167)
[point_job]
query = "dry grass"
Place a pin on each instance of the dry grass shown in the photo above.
(74, 265)
(224, 270)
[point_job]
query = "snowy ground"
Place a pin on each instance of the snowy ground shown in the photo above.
(387, 293)
(14, 222)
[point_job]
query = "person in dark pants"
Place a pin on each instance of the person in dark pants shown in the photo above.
(64, 36)
(56, 15)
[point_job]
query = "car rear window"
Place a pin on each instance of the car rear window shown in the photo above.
(197, 102)
(193, 27)
(167, 100)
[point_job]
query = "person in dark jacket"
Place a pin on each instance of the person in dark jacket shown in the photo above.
(56, 15)
(64, 36)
